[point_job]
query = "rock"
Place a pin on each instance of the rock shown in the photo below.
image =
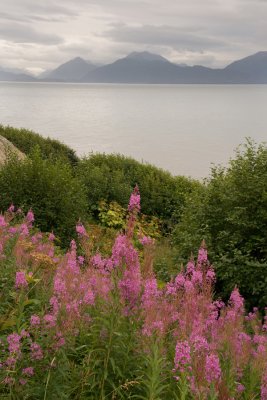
(6, 147)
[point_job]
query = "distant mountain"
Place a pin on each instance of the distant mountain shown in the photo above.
(251, 69)
(71, 71)
(15, 77)
(146, 67)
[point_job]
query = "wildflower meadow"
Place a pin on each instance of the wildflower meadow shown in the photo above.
(84, 325)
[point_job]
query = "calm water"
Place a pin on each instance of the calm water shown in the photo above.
(182, 128)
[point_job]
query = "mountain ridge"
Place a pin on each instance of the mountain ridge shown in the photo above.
(145, 67)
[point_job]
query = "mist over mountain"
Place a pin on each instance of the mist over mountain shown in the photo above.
(15, 76)
(71, 71)
(145, 67)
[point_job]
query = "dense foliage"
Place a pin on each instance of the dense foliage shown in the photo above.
(112, 178)
(91, 327)
(230, 213)
(49, 188)
(26, 141)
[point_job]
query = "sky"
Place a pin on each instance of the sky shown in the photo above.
(40, 35)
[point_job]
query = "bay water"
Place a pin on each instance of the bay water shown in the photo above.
(180, 128)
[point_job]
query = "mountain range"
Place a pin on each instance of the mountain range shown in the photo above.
(145, 67)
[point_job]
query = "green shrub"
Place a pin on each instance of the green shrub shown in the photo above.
(26, 140)
(231, 215)
(57, 198)
(112, 178)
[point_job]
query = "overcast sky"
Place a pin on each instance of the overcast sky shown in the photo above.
(38, 35)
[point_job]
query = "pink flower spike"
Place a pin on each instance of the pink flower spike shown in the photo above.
(212, 368)
(29, 371)
(11, 208)
(51, 237)
(80, 229)
(2, 221)
(30, 217)
(134, 203)
(21, 280)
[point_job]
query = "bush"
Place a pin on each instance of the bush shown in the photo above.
(112, 178)
(55, 196)
(231, 215)
(26, 141)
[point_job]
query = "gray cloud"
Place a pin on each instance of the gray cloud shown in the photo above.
(166, 36)
(21, 33)
(38, 35)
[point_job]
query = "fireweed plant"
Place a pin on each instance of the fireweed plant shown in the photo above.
(82, 326)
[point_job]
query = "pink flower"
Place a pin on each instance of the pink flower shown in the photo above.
(190, 268)
(24, 230)
(51, 237)
(35, 320)
(81, 260)
(146, 241)
(182, 358)
(210, 275)
(134, 203)
(236, 300)
(11, 208)
(202, 255)
(21, 280)
(30, 217)
(36, 351)
(50, 320)
(13, 341)
(212, 368)
(240, 388)
(197, 278)
(80, 229)
(29, 371)
(2, 221)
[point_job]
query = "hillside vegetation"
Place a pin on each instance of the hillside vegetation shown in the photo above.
(228, 211)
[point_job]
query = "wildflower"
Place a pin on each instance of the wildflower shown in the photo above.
(80, 229)
(202, 255)
(30, 217)
(35, 320)
(134, 203)
(212, 368)
(21, 280)
(11, 362)
(50, 320)
(236, 300)
(81, 260)
(11, 208)
(22, 381)
(24, 230)
(200, 343)
(13, 343)
(240, 388)
(36, 351)
(210, 275)
(182, 358)
(190, 268)
(146, 241)
(29, 371)
(2, 221)
(179, 281)
(197, 278)
(51, 237)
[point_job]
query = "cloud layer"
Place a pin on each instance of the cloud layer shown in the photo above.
(37, 36)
